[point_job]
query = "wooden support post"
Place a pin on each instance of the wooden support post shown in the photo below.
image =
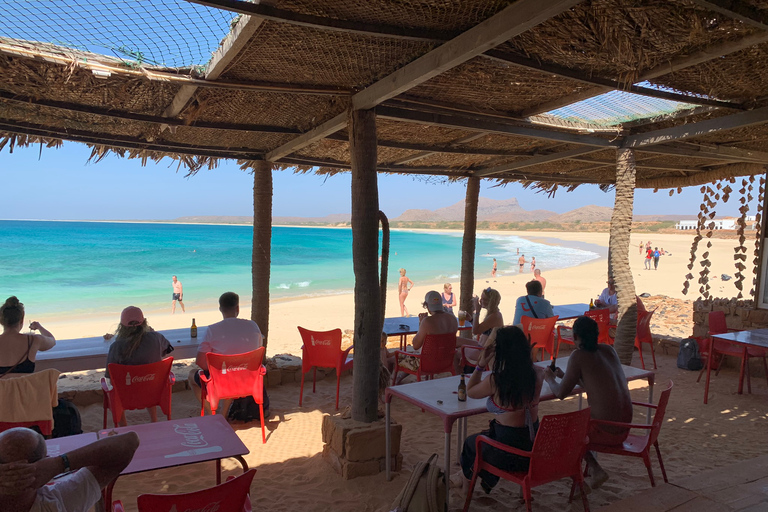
(365, 250)
(621, 226)
(468, 244)
(261, 256)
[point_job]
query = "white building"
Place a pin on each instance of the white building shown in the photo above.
(728, 223)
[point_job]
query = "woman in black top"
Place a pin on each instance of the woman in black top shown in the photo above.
(18, 351)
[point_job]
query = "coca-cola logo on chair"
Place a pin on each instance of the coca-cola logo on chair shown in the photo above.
(138, 378)
(319, 342)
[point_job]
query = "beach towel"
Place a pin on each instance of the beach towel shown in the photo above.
(29, 397)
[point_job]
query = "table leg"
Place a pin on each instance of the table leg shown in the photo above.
(458, 435)
(447, 468)
(218, 471)
(650, 399)
(387, 444)
(242, 462)
(581, 398)
(107, 495)
(710, 357)
(741, 372)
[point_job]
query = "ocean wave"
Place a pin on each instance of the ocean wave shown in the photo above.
(288, 286)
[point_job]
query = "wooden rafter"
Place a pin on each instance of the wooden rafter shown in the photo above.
(739, 9)
(511, 21)
(719, 153)
(433, 149)
(537, 160)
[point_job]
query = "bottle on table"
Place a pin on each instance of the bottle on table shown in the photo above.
(591, 304)
(193, 330)
(462, 390)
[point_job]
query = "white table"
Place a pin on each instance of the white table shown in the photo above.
(439, 397)
(91, 353)
(408, 325)
(568, 311)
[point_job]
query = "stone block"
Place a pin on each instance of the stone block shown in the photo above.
(287, 362)
(274, 378)
(335, 430)
(352, 469)
(758, 318)
(369, 441)
(397, 463)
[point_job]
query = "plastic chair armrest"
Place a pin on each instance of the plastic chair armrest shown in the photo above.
(345, 353)
(203, 378)
(620, 424)
(117, 506)
(104, 386)
(642, 404)
(406, 353)
(172, 378)
(502, 446)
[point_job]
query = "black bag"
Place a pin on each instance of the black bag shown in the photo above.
(689, 358)
(246, 409)
(66, 420)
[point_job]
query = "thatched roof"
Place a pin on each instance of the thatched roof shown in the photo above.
(297, 64)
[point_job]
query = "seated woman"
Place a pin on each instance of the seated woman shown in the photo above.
(489, 299)
(137, 343)
(437, 321)
(512, 391)
(19, 351)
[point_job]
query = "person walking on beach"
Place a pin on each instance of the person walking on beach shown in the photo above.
(648, 258)
(178, 295)
(521, 263)
(656, 255)
(495, 266)
(533, 263)
(641, 247)
(404, 285)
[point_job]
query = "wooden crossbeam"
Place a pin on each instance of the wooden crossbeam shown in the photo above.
(740, 120)
(482, 124)
(321, 162)
(235, 41)
(511, 21)
(537, 160)
(718, 153)
(434, 149)
(738, 9)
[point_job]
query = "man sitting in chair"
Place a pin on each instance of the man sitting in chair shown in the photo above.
(230, 336)
(598, 370)
(25, 470)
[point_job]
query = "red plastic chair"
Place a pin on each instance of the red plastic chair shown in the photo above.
(643, 335)
(231, 495)
(436, 357)
(640, 446)
(137, 387)
(541, 332)
(601, 316)
(719, 349)
(234, 376)
(323, 349)
(467, 352)
(557, 452)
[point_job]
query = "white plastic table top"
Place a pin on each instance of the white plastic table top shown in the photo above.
(568, 311)
(755, 337)
(66, 444)
(393, 326)
(91, 353)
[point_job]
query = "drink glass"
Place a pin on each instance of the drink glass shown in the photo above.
(462, 318)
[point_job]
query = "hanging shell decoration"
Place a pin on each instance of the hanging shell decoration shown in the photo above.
(702, 218)
(758, 230)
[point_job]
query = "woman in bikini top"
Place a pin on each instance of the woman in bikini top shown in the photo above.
(18, 351)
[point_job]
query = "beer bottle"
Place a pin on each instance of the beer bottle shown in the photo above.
(591, 306)
(462, 390)
(193, 330)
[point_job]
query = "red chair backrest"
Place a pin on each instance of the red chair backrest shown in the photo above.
(717, 323)
(559, 446)
(321, 348)
(437, 352)
(237, 375)
(643, 334)
(640, 306)
(140, 386)
(603, 319)
(658, 417)
(227, 497)
(541, 331)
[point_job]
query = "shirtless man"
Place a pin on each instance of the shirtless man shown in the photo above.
(521, 262)
(178, 295)
(495, 267)
(598, 370)
(537, 276)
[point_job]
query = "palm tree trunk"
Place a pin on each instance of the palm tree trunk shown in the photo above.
(621, 226)
(261, 256)
(468, 244)
(365, 250)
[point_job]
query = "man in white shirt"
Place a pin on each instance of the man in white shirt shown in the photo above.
(25, 470)
(608, 298)
(230, 336)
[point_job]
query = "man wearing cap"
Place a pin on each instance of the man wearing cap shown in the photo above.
(230, 336)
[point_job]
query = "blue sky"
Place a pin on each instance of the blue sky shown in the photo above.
(59, 184)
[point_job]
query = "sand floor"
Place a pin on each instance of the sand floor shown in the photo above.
(293, 476)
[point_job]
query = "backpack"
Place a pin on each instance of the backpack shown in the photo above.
(66, 420)
(246, 409)
(425, 490)
(689, 358)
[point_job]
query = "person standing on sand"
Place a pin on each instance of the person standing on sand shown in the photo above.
(533, 263)
(495, 266)
(521, 263)
(402, 291)
(641, 247)
(648, 258)
(178, 295)
(656, 255)
(537, 277)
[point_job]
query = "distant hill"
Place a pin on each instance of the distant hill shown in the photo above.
(492, 210)
(585, 214)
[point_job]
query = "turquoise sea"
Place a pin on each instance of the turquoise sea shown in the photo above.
(89, 267)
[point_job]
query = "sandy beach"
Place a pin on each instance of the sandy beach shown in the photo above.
(564, 286)
(292, 474)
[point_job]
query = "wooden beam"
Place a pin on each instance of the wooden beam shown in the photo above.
(425, 153)
(499, 28)
(429, 171)
(320, 22)
(235, 41)
(683, 62)
(740, 120)
(432, 149)
(537, 160)
(740, 10)
(130, 116)
(482, 124)
(719, 153)
(126, 142)
(318, 132)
